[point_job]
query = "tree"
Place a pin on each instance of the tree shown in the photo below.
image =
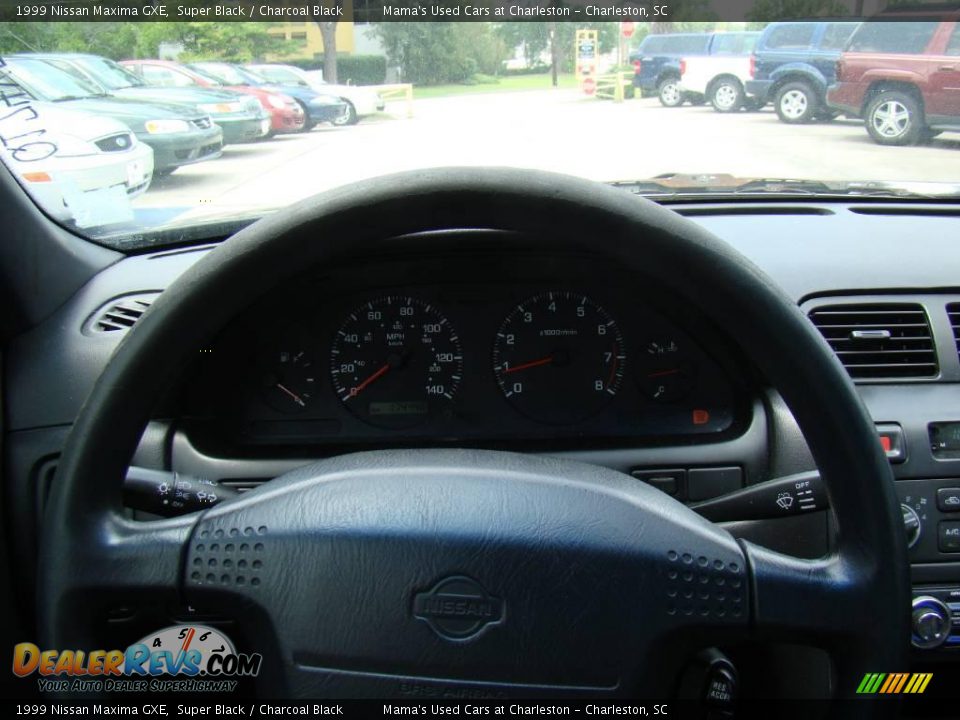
(328, 31)
(228, 41)
(557, 38)
(770, 10)
(113, 39)
(231, 41)
(533, 37)
(554, 53)
(441, 52)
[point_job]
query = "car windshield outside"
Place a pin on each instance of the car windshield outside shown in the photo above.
(47, 82)
(280, 75)
(230, 121)
(226, 74)
(108, 73)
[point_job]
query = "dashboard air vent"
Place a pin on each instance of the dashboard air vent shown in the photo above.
(953, 311)
(879, 340)
(120, 314)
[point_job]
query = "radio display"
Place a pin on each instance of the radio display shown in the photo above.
(945, 439)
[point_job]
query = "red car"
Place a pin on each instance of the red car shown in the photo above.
(902, 79)
(286, 115)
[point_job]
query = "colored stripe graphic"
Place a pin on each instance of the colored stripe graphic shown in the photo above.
(894, 683)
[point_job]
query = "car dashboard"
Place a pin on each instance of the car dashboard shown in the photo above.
(470, 338)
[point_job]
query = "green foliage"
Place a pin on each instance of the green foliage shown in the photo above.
(112, 39)
(535, 38)
(532, 70)
(442, 52)
(228, 41)
(486, 48)
(770, 10)
(231, 41)
(352, 69)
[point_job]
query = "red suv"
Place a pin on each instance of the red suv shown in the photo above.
(902, 78)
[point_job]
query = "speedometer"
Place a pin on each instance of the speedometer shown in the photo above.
(559, 357)
(395, 361)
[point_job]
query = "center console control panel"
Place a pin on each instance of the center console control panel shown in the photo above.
(931, 517)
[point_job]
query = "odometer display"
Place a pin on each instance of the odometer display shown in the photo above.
(559, 358)
(395, 361)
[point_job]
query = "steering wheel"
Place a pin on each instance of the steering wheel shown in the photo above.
(478, 571)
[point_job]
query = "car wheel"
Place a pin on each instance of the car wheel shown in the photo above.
(350, 117)
(726, 95)
(669, 92)
(796, 102)
(894, 118)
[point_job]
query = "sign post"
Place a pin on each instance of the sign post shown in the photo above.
(588, 58)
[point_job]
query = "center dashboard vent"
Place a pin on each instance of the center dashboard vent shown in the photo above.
(953, 312)
(879, 340)
(120, 314)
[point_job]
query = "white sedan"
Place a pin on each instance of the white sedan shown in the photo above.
(78, 167)
(361, 101)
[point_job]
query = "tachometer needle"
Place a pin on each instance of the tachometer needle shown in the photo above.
(293, 396)
(379, 373)
(532, 363)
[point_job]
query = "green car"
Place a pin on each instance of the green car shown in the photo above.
(178, 134)
(241, 117)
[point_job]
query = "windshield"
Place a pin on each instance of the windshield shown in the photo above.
(48, 82)
(277, 74)
(677, 111)
(108, 73)
(226, 74)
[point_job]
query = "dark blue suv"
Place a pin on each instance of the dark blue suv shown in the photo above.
(656, 63)
(794, 64)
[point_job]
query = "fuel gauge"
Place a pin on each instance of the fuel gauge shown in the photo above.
(290, 380)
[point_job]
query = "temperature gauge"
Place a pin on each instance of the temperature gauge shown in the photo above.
(666, 371)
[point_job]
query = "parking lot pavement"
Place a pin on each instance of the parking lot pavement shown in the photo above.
(555, 130)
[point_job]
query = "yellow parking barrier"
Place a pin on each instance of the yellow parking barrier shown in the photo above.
(394, 91)
(612, 86)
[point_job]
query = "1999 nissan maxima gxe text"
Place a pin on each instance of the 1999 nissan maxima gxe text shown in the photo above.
(441, 411)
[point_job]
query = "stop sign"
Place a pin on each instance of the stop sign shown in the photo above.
(589, 85)
(626, 28)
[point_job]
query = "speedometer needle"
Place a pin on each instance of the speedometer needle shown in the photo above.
(532, 363)
(379, 373)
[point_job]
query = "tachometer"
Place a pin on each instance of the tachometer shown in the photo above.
(395, 361)
(559, 357)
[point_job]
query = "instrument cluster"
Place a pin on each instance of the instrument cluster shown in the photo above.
(455, 357)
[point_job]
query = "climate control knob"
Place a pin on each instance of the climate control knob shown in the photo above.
(931, 622)
(911, 524)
